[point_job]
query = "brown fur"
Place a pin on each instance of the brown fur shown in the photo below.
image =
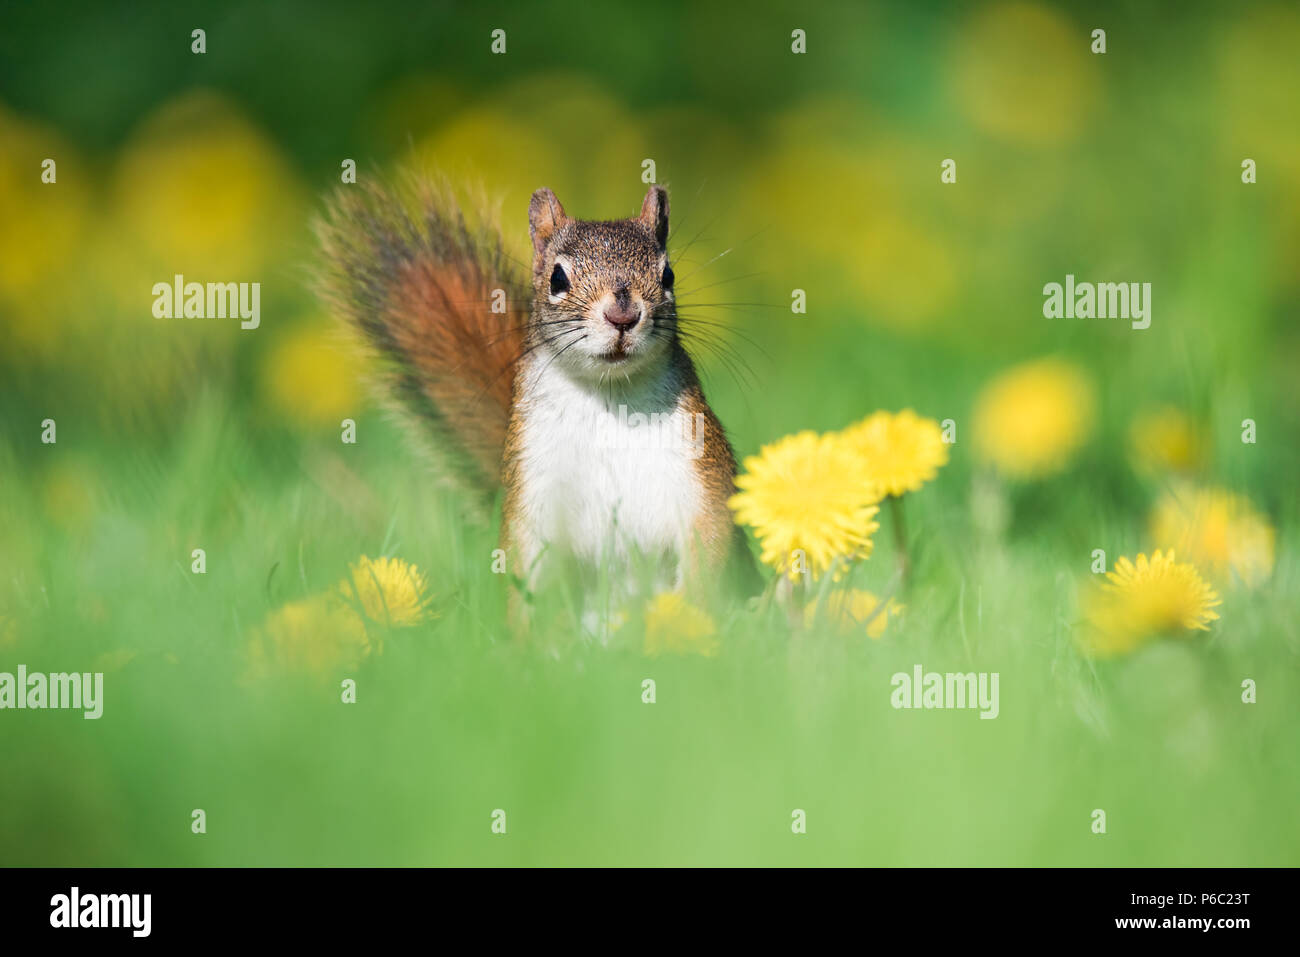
(716, 468)
(409, 274)
(406, 272)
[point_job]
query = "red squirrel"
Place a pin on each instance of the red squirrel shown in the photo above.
(579, 399)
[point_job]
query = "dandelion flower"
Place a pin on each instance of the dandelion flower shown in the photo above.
(847, 610)
(1146, 598)
(900, 451)
(674, 625)
(318, 635)
(388, 590)
(1217, 529)
(1165, 438)
(1029, 421)
(806, 493)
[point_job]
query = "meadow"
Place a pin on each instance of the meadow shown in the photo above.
(224, 689)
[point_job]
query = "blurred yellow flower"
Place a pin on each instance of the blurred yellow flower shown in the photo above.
(595, 132)
(309, 378)
(43, 220)
(1024, 73)
(480, 147)
(318, 635)
(1146, 598)
(1219, 530)
(1166, 438)
(69, 494)
(801, 188)
(807, 493)
(388, 590)
(845, 610)
(867, 234)
(908, 273)
(1030, 420)
(44, 225)
(900, 451)
(674, 625)
(202, 192)
(327, 632)
(8, 632)
(1258, 73)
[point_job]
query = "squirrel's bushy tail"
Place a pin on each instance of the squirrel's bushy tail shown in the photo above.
(404, 268)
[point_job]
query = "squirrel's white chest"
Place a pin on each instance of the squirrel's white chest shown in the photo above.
(601, 477)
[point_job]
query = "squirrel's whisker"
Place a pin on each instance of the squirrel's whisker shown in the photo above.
(414, 275)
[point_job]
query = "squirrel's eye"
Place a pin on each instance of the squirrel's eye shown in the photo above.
(667, 281)
(559, 281)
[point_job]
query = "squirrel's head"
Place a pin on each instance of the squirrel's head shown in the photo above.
(603, 291)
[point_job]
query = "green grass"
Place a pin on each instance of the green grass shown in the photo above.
(454, 720)
(816, 172)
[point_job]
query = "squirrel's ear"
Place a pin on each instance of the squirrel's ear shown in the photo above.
(654, 213)
(545, 216)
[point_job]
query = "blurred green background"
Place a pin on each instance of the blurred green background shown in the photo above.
(818, 172)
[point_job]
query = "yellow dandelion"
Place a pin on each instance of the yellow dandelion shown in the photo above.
(674, 625)
(1029, 421)
(388, 590)
(1165, 439)
(809, 503)
(1142, 599)
(900, 451)
(318, 635)
(845, 611)
(1218, 530)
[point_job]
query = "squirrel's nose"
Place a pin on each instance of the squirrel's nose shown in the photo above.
(623, 317)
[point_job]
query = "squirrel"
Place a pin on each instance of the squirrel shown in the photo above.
(576, 396)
